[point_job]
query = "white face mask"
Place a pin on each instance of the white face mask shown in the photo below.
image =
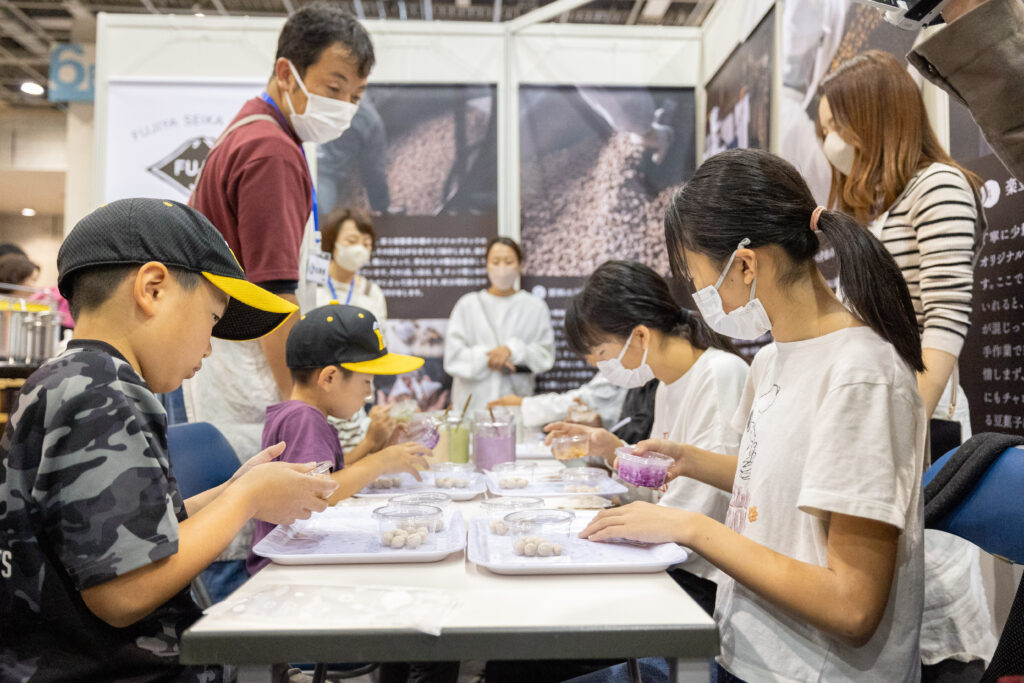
(503, 278)
(749, 321)
(839, 152)
(351, 257)
(617, 374)
(325, 118)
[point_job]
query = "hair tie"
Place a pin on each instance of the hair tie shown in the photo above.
(814, 218)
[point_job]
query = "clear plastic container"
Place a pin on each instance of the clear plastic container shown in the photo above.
(403, 411)
(497, 509)
(581, 413)
(583, 479)
(423, 430)
(514, 475)
(452, 475)
(408, 526)
(647, 470)
(570, 447)
(322, 470)
(443, 445)
(540, 533)
(458, 438)
(494, 439)
(435, 498)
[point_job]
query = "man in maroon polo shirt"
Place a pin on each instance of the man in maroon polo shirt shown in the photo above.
(256, 189)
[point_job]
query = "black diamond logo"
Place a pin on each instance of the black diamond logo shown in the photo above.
(181, 167)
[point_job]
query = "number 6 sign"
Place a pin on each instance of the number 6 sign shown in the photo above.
(72, 72)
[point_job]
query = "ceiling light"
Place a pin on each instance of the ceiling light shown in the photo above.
(32, 88)
(28, 212)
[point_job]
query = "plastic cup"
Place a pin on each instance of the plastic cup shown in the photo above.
(540, 533)
(647, 470)
(408, 527)
(497, 509)
(583, 479)
(437, 499)
(570, 447)
(514, 475)
(423, 430)
(322, 470)
(458, 442)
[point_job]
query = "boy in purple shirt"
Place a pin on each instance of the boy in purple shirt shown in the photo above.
(333, 352)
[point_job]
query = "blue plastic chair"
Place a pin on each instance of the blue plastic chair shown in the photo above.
(991, 517)
(201, 458)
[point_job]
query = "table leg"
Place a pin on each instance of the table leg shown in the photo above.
(320, 673)
(634, 671)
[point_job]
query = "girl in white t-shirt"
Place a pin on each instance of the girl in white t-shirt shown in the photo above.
(822, 540)
(626, 322)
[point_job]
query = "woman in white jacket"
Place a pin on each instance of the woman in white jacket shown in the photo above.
(500, 337)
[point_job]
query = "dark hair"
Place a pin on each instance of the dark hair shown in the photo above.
(15, 268)
(11, 248)
(332, 226)
(621, 295)
(317, 26)
(305, 376)
(748, 193)
(92, 287)
(508, 242)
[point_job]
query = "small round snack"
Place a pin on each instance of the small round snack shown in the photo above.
(452, 475)
(570, 447)
(407, 526)
(497, 508)
(387, 482)
(647, 470)
(583, 479)
(514, 475)
(540, 532)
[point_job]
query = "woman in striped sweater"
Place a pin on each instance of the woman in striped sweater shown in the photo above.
(889, 171)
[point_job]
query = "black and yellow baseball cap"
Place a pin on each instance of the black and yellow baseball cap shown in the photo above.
(137, 231)
(348, 336)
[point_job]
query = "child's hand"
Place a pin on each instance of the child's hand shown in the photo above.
(642, 522)
(405, 457)
(382, 426)
(602, 442)
(266, 455)
(676, 451)
(282, 492)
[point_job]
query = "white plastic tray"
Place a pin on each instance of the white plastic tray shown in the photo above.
(533, 450)
(350, 535)
(477, 485)
(582, 556)
(548, 484)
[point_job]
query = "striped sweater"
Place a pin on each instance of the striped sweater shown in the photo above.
(929, 230)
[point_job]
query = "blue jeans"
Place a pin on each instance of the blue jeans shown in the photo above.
(652, 670)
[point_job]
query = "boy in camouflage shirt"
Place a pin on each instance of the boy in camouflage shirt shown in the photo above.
(97, 547)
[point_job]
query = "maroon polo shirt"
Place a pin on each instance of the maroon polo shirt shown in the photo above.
(256, 189)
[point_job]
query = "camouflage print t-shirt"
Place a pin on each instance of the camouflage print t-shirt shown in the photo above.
(86, 495)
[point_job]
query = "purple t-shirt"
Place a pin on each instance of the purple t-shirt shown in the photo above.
(308, 437)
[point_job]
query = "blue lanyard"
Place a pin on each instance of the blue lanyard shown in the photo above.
(316, 213)
(334, 294)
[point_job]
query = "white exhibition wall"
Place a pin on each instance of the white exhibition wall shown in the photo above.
(158, 58)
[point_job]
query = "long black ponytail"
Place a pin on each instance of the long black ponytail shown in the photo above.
(620, 296)
(748, 193)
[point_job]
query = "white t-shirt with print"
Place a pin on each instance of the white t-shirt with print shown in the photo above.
(697, 409)
(833, 424)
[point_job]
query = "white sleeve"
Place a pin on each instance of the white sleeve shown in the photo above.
(462, 357)
(604, 397)
(546, 408)
(863, 454)
(709, 418)
(536, 349)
